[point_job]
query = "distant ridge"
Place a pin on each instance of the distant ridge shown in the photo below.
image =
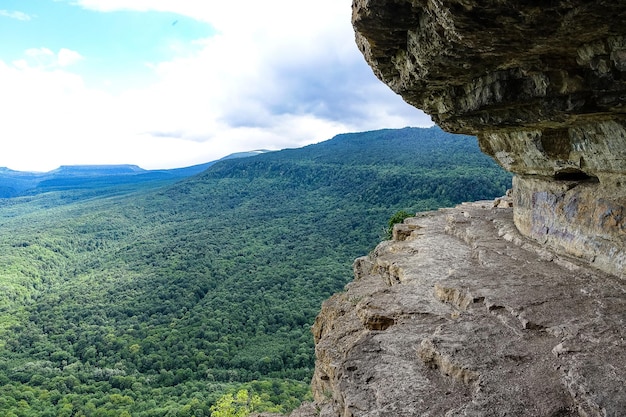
(18, 183)
(196, 169)
(121, 169)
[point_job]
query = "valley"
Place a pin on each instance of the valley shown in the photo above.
(155, 298)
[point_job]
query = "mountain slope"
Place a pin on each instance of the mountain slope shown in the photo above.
(99, 179)
(187, 289)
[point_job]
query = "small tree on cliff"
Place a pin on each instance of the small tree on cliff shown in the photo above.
(398, 217)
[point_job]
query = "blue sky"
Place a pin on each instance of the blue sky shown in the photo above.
(115, 46)
(168, 83)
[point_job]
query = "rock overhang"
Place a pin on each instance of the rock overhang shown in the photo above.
(542, 84)
(482, 65)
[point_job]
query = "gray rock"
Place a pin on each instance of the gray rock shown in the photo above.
(484, 66)
(466, 317)
(483, 309)
(542, 85)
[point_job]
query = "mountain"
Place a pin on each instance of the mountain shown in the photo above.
(95, 177)
(196, 169)
(159, 301)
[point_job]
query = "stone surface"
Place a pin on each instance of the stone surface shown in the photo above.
(515, 307)
(467, 317)
(543, 86)
(584, 218)
(480, 66)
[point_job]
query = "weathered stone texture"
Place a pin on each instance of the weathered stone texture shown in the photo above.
(541, 83)
(484, 309)
(476, 66)
(583, 218)
(466, 317)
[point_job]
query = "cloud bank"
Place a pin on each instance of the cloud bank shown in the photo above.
(276, 74)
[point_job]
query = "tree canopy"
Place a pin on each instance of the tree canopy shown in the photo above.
(161, 299)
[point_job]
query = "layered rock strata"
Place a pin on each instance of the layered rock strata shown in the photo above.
(463, 316)
(492, 311)
(542, 85)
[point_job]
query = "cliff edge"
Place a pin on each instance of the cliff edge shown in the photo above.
(543, 87)
(480, 310)
(463, 316)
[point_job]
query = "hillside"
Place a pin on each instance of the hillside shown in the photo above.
(157, 302)
(98, 179)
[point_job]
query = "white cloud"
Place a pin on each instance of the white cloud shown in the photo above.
(38, 52)
(15, 15)
(45, 58)
(278, 73)
(67, 57)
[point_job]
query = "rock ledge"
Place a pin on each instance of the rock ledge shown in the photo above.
(543, 87)
(466, 317)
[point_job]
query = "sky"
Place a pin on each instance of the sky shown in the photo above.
(172, 83)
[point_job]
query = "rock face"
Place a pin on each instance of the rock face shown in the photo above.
(543, 86)
(487, 310)
(466, 317)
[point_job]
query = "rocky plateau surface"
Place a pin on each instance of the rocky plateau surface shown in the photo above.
(461, 315)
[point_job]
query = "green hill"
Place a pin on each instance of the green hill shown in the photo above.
(97, 179)
(157, 301)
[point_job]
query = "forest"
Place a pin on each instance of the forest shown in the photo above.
(162, 298)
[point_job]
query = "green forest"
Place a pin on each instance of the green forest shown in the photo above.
(163, 298)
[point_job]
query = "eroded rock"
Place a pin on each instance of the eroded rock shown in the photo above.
(483, 309)
(541, 84)
(480, 321)
(483, 66)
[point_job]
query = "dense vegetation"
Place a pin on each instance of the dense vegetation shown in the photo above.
(158, 301)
